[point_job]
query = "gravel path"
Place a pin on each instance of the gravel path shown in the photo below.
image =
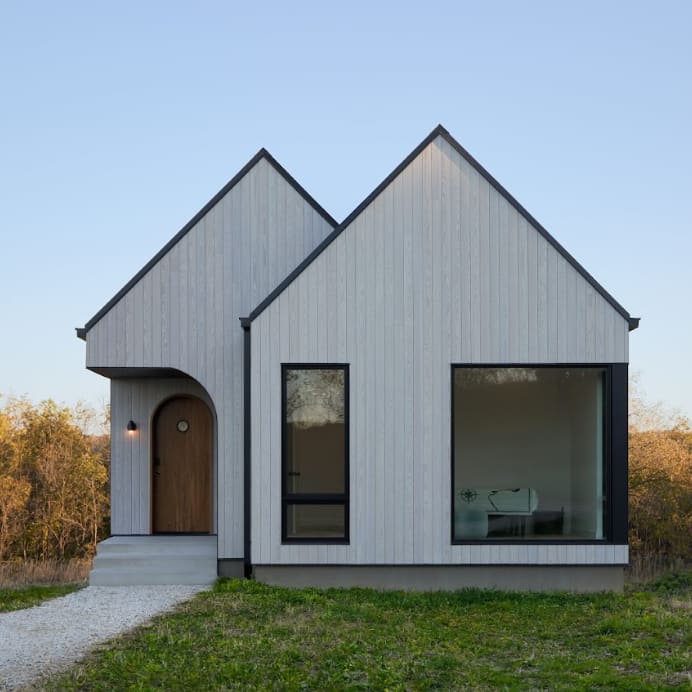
(51, 636)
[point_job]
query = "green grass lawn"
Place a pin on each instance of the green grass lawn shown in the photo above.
(27, 596)
(243, 634)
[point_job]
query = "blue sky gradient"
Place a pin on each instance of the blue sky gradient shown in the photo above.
(119, 121)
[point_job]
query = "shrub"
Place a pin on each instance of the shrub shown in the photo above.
(53, 482)
(660, 485)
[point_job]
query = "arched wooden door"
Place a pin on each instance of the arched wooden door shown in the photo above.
(182, 467)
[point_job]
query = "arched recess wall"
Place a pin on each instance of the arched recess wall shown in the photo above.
(138, 399)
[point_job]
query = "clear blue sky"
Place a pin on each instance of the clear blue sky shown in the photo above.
(119, 120)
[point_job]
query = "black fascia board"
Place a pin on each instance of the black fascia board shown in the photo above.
(261, 154)
(538, 226)
(440, 131)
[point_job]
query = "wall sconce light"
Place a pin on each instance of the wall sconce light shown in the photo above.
(131, 427)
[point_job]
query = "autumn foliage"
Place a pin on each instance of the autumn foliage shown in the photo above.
(53, 481)
(660, 485)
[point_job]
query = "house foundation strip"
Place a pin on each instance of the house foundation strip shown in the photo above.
(572, 578)
(232, 568)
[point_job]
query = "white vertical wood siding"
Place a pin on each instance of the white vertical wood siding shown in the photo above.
(438, 269)
(184, 314)
(138, 399)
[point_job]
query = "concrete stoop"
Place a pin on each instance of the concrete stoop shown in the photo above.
(140, 560)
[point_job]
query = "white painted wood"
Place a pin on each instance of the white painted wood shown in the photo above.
(183, 314)
(438, 269)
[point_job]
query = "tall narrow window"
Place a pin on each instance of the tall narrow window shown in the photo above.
(529, 453)
(315, 453)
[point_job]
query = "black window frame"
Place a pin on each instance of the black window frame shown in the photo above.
(614, 456)
(290, 499)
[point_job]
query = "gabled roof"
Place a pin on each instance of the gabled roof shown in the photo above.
(439, 131)
(261, 154)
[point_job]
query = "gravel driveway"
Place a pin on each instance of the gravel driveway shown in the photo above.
(51, 636)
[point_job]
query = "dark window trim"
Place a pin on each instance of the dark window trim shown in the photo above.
(344, 498)
(314, 498)
(617, 421)
(614, 455)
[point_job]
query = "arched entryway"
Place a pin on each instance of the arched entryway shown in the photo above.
(182, 467)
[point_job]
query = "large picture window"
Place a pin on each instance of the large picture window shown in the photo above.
(315, 453)
(528, 453)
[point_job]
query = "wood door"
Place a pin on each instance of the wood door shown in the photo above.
(182, 467)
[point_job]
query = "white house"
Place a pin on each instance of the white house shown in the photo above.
(431, 394)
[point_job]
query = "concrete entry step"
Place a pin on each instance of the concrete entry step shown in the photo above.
(135, 560)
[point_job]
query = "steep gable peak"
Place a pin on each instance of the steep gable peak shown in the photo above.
(441, 131)
(262, 154)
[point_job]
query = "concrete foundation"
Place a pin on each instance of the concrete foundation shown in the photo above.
(140, 560)
(577, 578)
(231, 568)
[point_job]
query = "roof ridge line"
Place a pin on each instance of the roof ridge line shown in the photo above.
(264, 153)
(343, 225)
(441, 131)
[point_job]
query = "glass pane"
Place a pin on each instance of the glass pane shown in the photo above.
(528, 451)
(315, 521)
(315, 431)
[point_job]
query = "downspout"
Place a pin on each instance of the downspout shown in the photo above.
(247, 456)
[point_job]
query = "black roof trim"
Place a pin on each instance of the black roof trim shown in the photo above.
(81, 333)
(440, 131)
(634, 323)
(122, 372)
(532, 220)
(261, 154)
(342, 226)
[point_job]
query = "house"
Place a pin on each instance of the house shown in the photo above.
(431, 394)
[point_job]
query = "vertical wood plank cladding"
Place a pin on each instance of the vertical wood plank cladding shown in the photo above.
(156, 303)
(438, 269)
(120, 521)
(523, 306)
(473, 219)
(183, 314)
(119, 333)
